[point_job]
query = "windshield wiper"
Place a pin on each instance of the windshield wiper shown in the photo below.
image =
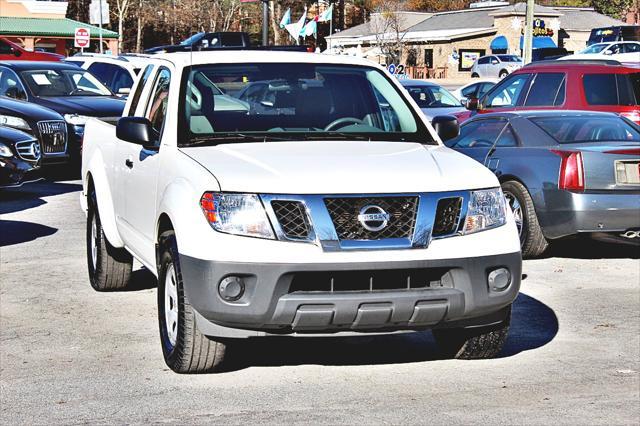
(225, 138)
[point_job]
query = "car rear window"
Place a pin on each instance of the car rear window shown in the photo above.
(612, 89)
(587, 128)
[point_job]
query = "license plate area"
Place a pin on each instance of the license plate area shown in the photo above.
(627, 172)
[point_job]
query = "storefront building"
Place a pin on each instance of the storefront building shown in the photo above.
(42, 25)
(447, 43)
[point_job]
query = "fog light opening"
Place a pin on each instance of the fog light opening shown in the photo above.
(499, 279)
(231, 288)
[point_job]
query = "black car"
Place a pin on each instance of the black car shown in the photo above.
(204, 40)
(19, 157)
(44, 124)
(74, 93)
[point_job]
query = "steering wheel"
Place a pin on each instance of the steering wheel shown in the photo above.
(343, 120)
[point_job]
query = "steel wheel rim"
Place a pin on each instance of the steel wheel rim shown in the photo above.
(171, 305)
(94, 243)
(516, 209)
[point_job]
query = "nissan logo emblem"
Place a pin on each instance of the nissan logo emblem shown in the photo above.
(373, 218)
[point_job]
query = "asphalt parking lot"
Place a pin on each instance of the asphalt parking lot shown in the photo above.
(71, 355)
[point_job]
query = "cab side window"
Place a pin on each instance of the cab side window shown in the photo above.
(507, 93)
(478, 134)
(136, 95)
(157, 109)
(5, 48)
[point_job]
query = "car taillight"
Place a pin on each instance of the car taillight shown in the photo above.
(571, 170)
(624, 151)
(632, 115)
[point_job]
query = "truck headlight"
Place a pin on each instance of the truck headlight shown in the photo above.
(14, 122)
(238, 214)
(487, 209)
(5, 151)
(75, 119)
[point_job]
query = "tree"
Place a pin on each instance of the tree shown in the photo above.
(388, 26)
(78, 10)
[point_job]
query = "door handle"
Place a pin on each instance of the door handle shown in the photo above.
(128, 163)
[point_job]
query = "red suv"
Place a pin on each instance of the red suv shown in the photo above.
(10, 51)
(576, 85)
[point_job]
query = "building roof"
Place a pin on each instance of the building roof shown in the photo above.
(521, 9)
(48, 27)
(467, 18)
(406, 20)
(581, 19)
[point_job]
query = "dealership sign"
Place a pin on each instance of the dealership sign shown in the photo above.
(82, 38)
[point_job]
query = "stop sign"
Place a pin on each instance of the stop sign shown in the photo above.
(82, 37)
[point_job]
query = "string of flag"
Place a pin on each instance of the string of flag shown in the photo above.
(302, 28)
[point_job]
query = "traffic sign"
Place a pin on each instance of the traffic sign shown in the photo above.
(82, 38)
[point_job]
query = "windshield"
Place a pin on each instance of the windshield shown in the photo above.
(509, 58)
(594, 48)
(588, 129)
(432, 97)
(293, 101)
(192, 40)
(64, 83)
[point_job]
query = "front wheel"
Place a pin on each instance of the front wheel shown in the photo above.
(184, 348)
(473, 343)
(532, 241)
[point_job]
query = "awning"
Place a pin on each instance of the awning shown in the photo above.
(499, 43)
(539, 42)
(48, 27)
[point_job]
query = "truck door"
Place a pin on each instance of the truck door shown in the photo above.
(142, 166)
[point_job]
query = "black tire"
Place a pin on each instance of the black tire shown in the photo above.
(109, 267)
(473, 343)
(503, 74)
(191, 352)
(475, 75)
(532, 240)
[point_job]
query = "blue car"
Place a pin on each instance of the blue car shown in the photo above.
(562, 172)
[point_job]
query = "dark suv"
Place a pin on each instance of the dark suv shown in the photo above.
(593, 85)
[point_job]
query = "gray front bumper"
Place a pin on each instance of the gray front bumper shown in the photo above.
(269, 308)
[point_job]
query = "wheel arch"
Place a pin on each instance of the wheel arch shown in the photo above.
(96, 179)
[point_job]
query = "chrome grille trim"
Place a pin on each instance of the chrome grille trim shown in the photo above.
(26, 152)
(53, 136)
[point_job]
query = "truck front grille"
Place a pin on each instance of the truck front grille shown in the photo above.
(447, 216)
(53, 136)
(292, 218)
(344, 213)
(388, 279)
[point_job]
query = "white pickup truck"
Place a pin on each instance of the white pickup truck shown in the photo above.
(281, 193)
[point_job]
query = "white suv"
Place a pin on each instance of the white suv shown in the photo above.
(116, 72)
(326, 204)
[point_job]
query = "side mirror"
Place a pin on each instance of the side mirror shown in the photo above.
(136, 130)
(446, 127)
(16, 52)
(607, 52)
(463, 102)
(471, 104)
(494, 62)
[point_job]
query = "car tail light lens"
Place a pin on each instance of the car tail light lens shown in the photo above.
(624, 151)
(632, 115)
(238, 214)
(571, 170)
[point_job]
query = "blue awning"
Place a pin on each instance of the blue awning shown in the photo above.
(500, 42)
(538, 42)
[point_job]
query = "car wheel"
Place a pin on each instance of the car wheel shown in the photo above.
(109, 267)
(473, 343)
(475, 75)
(532, 241)
(503, 74)
(184, 348)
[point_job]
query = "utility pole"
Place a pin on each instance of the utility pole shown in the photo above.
(265, 22)
(528, 32)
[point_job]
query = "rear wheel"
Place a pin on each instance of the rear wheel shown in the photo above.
(503, 74)
(109, 267)
(475, 75)
(473, 343)
(184, 348)
(532, 241)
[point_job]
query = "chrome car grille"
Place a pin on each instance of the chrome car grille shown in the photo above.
(292, 218)
(344, 213)
(53, 135)
(29, 150)
(447, 216)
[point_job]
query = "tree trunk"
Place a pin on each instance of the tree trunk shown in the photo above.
(275, 11)
(140, 24)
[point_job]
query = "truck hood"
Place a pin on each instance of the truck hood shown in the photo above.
(340, 168)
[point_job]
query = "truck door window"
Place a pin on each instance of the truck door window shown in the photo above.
(545, 90)
(159, 101)
(507, 92)
(136, 96)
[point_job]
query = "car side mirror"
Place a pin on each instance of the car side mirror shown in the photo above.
(472, 104)
(446, 127)
(494, 62)
(607, 52)
(463, 102)
(136, 130)
(16, 52)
